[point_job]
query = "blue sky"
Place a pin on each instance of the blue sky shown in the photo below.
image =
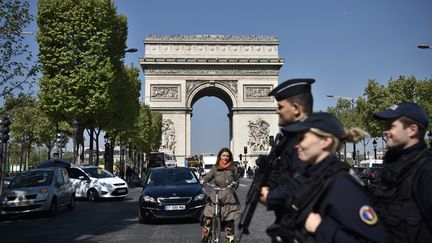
(340, 43)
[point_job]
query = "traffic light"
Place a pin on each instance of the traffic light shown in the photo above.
(4, 133)
(245, 150)
(240, 156)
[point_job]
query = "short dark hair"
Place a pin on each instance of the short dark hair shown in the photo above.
(406, 121)
(305, 100)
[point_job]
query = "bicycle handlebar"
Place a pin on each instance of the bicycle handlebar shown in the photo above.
(221, 189)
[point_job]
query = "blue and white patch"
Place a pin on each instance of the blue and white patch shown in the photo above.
(368, 215)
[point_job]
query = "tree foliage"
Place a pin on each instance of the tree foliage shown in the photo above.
(81, 49)
(378, 97)
(17, 69)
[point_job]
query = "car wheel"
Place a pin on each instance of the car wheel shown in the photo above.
(71, 204)
(92, 195)
(142, 218)
(53, 207)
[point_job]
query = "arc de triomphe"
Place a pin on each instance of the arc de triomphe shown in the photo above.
(239, 70)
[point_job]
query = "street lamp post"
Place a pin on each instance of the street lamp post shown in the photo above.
(245, 161)
(423, 46)
(131, 50)
(374, 143)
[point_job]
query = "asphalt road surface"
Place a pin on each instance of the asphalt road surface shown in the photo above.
(116, 221)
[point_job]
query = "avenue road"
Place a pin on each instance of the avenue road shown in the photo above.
(116, 221)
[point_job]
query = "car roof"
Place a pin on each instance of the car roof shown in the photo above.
(169, 168)
(55, 163)
(44, 169)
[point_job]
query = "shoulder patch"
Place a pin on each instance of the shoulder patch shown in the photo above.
(368, 215)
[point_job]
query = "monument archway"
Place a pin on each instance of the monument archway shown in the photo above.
(239, 70)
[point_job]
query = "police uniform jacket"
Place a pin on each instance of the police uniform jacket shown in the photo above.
(404, 195)
(222, 178)
(288, 166)
(347, 214)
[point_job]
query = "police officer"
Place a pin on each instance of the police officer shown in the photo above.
(404, 194)
(294, 102)
(330, 205)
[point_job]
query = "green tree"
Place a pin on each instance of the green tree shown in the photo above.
(17, 69)
(81, 47)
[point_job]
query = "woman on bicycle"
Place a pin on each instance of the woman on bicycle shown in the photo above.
(223, 173)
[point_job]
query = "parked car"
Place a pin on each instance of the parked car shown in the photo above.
(94, 183)
(38, 190)
(171, 193)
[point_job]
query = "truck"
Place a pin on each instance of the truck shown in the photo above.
(208, 160)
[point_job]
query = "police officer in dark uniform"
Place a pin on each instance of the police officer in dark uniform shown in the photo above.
(329, 203)
(295, 102)
(404, 194)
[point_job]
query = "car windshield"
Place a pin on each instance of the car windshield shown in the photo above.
(98, 173)
(171, 177)
(33, 178)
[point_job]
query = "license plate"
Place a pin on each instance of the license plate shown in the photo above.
(175, 207)
(121, 190)
(20, 204)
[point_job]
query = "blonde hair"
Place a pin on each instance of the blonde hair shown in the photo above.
(350, 135)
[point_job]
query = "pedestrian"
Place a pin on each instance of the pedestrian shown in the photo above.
(223, 173)
(129, 173)
(329, 203)
(403, 195)
(249, 172)
(294, 102)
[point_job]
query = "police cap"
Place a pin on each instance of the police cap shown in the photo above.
(323, 121)
(407, 109)
(292, 87)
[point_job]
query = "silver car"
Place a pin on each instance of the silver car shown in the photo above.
(38, 190)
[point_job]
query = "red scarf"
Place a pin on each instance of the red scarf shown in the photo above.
(223, 165)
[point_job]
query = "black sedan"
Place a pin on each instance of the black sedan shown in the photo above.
(171, 193)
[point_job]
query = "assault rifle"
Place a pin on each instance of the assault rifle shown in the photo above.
(265, 164)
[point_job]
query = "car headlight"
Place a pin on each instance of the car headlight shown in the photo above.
(199, 197)
(149, 199)
(42, 194)
(104, 184)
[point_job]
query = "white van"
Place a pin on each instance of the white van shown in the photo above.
(369, 163)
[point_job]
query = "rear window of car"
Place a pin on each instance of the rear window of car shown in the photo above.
(29, 179)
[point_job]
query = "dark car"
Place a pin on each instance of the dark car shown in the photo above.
(370, 175)
(171, 193)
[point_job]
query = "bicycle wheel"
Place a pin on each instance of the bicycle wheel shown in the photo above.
(216, 230)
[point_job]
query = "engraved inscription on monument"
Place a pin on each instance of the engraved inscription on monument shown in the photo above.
(257, 93)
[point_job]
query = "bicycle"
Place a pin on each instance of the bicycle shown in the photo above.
(215, 236)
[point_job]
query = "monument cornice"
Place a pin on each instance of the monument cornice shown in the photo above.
(211, 61)
(211, 39)
(248, 110)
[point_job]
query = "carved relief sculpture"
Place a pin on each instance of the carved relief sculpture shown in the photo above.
(159, 92)
(168, 135)
(258, 135)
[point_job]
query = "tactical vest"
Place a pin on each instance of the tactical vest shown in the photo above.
(397, 207)
(291, 228)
